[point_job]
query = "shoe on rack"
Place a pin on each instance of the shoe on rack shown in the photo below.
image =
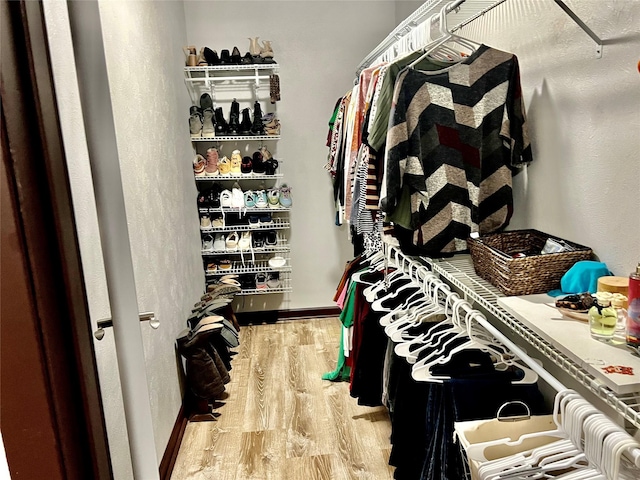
(245, 124)
(225, 198)
(273, 197)
(270, 166)
(205, 222)
(237, 197)
(214, 195)
(195, 121)
(254, 46)
(234, 118)
(217, 222)
(219, 243)
(258, 239)
(273, 280)
(231, 243)
(202, 61)
(225, 57)
(235, 56)
(205, 101)
(261, 199)
(247, 59)
(266, 154)
(211, 56)
(202, 199)
(249, 200)
(271, 238)
(265, 219)
(236, 162)
(225, 264)
(199, 165)
(261, 281)
(211, 267)
(277, 262)
(285, 196)
(245, 241)
(257, 128)
(208, 128)
(224, 166)
(207, 243)
(247, 281)
(266, 52)
(258, 163)
(246, 166)
(222, 127)
(254, 220)
(191, 56)
(212, 162)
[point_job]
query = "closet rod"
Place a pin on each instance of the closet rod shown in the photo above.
(413, 267)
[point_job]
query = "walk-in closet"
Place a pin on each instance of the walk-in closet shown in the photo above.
(361, 239)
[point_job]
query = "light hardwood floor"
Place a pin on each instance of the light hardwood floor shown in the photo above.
(281, 420)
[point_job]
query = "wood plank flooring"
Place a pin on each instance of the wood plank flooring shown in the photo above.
(281, 420)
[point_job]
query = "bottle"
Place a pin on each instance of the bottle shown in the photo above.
(619, 302)
(633, 312)
(602, 320)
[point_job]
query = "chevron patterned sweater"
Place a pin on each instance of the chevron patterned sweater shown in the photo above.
(455, 138)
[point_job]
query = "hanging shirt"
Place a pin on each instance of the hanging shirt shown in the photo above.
(455, 137)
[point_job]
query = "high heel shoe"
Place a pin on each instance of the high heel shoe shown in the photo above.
(202, 61)
(211, 56)
(191, 56)
(254, 49)
(235, 56)
(266, 52)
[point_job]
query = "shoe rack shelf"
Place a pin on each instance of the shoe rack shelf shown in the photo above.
(236, 138)
(251, 176)
(281, 248)
(276, 224)
(239, 270)
(236, 81)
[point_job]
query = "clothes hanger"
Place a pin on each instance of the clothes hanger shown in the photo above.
(430, 286)
(389, 317)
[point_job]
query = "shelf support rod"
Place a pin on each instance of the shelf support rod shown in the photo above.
(582, 25)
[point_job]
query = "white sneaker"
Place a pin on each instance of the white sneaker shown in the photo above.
(273, 196)
(205, 222)
(237, 197)
(261, 199)
(245, 241)
(207, 243)
(225, 198)
(219, 243)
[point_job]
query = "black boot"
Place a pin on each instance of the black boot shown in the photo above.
(234, 118)
(257, 128)
(245, 125)
(222, 128)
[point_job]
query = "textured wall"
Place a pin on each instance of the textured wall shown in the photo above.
(318, 46)
(584, 116)
(143, 43)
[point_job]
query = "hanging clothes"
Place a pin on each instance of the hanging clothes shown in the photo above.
(455, 138)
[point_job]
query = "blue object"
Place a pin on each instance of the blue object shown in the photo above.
(582, 277)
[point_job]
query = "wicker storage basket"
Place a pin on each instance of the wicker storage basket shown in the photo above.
(493, 260)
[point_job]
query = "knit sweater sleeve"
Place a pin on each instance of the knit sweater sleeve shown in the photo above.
(514, 129)
(396, 150)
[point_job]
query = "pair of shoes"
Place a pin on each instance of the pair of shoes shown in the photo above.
(255, 199)
(233, 58)
(211, 168)
(273, 280)
(256, 221)
(265, 239)
(211, 56)
(260, 53)
(209, 197)
(205, 222)
(231, 167)
(247, 281)
(271, 126)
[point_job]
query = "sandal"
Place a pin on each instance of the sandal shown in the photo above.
(224, 264)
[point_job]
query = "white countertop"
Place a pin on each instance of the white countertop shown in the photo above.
(572, 338)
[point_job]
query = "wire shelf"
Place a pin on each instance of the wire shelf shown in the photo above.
(276, 224)
(273, 67)
(243, 210)
(244, 176)
(236, 138)
(266, 291)
(237, 268)
(461, 274)
(257, 251)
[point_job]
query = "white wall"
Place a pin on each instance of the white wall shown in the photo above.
(584, 116)
(143, 49)
(318, 45)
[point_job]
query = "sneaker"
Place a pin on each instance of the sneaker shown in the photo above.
(254, 221)
(273, 197)
(195, 122)
(247, 282)
(285, 196)
(261, 281)
(258, 240)
(205, 222)
(270, 166)
(224, 165)
(219, 243)
(271, 238)
(208, 129)
(265, 219)
(211, 267)
(231, 243)
(246, 166)
(249, 200)
(225, 264)
(212, 162)
(217, 222)
(199, 165)
(245, 241)
(277, 262)
(214, 195)
(261, 199)
(273, 280)
(236, 162)
(225, 198)
(207, 243)
(237, 197)
(258, 163)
